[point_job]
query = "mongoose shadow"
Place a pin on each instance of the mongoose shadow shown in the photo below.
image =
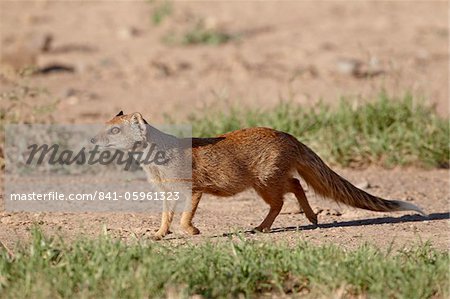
(361, 222)
(334, 224)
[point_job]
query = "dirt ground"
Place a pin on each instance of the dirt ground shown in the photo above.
(217, 217)
(97, 58)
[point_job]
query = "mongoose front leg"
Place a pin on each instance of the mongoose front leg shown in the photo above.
(166, 220)
(187, 216)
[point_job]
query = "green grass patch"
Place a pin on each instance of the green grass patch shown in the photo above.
(108, 268)
(386, 132)
(199, 34)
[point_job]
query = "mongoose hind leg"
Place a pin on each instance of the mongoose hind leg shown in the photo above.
(297, 189)
(275, 201)
(188, 215)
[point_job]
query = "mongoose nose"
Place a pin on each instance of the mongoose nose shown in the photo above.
(93, 141)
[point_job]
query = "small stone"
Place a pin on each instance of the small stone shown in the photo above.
(127, 33)
(336, 213)
(348, 66)
(51, 64)
(73, 100)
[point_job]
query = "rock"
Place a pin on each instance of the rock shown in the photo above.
(126, 33)
(54, 63)
(335, 212)
(348, 66)
(73, 100)
(358, 69)
(329, 212)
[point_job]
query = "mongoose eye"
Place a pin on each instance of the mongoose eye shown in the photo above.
(115, 130)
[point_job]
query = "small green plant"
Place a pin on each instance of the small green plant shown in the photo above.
(108, 268)
(199, 34)
(386, 132)
(161, 12)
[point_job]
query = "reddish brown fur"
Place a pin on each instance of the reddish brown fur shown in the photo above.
(265, 160)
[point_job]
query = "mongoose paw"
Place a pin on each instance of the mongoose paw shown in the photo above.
(167, 233)
(313, 219)
(191, 230)
(159, 235)
(262, 229)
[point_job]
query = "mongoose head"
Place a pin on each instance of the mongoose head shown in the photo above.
(124, 132)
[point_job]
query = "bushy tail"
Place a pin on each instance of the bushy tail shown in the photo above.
(327, 183)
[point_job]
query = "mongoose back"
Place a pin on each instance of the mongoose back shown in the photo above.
(260, 158)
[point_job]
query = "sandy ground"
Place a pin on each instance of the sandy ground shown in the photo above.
(114, 58)
(218, 217)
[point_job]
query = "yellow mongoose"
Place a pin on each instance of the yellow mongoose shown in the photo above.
(260, 158)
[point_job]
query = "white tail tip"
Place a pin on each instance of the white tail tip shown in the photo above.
(406, 206)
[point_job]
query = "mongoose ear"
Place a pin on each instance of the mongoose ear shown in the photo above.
(137, 119)
(120, 113)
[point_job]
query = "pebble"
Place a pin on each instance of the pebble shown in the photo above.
(348, 66)
(73, 100)
(125, 33)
